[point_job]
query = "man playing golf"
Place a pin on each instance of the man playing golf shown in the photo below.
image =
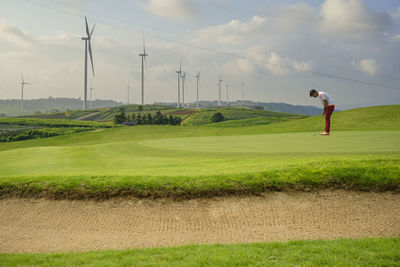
(329, 107)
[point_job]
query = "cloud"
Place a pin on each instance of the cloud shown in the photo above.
(353, 18)
(367, 65)
(80, 4)
(15, 35)
(238, 67)
(283, 66)
(178, 10)
(396, 37)
(231, 33)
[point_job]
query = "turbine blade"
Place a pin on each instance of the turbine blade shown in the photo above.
(180, 65)
(144, 46)
(87, 27)
(90, 36)
(91, 57)
(22, 78)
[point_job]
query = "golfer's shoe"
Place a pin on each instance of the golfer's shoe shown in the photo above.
(325, 133)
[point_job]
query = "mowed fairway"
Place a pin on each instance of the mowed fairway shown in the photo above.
(194, 156)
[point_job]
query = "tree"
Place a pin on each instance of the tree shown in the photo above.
(149, 119)
(217, 117)
(158, 118)
(120, 117)
(140, 108)
(138, 119)
(171, 120)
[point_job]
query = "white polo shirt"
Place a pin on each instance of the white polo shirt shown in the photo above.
(324, 96)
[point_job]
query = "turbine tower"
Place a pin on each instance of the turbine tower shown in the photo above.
(22, 91)
(227, 94)
(242, 92)
(183, 76)
(219, 90)
(88, 46)
(127, 101)
(91, 89)
(143, 55)
(179, 82)
(198, 80)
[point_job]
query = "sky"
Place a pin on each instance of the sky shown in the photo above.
(279, 49)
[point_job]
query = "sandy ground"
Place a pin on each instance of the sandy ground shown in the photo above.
(39, 225)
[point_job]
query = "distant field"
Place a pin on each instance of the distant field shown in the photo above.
(52, 122)
(206, 160)
(346, 252)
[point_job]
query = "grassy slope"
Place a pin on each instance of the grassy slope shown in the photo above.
(364, 252)
(145, 161)
(102, 114)
(203, 116)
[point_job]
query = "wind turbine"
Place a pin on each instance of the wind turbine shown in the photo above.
(143, 55)
(227, 94)
(88, 46)
(242, 92)
(91, 89)
(127, 101)
(198, 80)
(22, 90)
(183, 76)
(179, 87)
(219, 90)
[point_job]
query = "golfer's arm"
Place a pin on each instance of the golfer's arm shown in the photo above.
(325, 105)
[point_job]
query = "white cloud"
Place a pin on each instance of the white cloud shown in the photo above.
(367, 65)
(178, 10)
(352, 17)
(231, 33)
(396, 37)
(15, 35)
(238, 66)
(80, 4)
(283, 66)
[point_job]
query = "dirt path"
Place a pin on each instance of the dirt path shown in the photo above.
(47, 225)
(88, 116)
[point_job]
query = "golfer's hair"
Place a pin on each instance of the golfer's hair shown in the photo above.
(312, 91)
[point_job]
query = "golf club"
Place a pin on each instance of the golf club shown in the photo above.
(318, 123)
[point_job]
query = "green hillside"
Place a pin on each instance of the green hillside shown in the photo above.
(369, 118)
(203, 116)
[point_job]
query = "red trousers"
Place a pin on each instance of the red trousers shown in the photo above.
(328, 112)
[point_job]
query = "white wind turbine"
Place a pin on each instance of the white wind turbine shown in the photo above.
(91, 89)
(183, 76)
(198, 80)
(22, 90)
(227, 94)
(179, 79)
(242, 92)
(88, 46)
(128, 89)
(143, 55)
(219, 90)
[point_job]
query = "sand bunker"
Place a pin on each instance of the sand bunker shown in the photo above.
(40, 225)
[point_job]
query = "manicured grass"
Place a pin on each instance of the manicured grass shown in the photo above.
(345, 252)
(205, 161)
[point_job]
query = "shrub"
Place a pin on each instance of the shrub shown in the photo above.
(217, 117)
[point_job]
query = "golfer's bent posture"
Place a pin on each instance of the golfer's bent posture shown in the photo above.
(329, 107)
